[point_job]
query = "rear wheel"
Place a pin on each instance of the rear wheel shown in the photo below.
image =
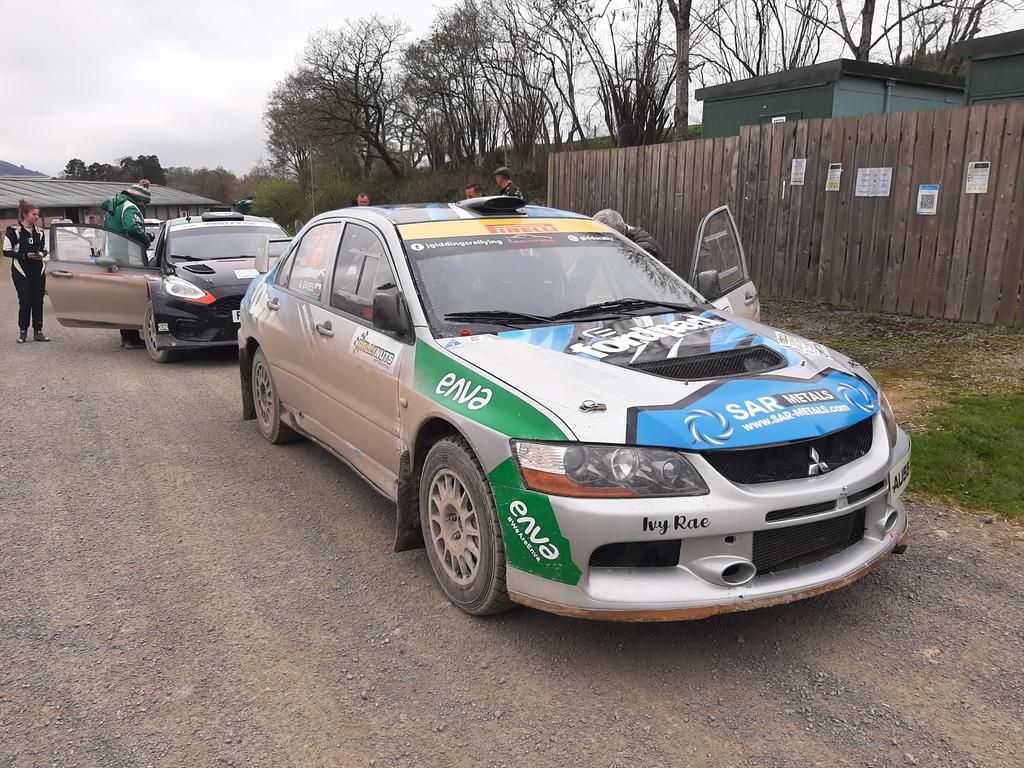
(149, 334)
(268, 405)
(461, 529)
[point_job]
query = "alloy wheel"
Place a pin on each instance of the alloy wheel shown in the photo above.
(263, 394)
(454, 528)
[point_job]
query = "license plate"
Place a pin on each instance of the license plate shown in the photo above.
(899, 477)
(236, 315)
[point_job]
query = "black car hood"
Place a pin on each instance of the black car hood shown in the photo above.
(217, 273)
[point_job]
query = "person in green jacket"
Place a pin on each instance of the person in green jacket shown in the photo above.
(124, 216)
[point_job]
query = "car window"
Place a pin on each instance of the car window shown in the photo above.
(222, 240)
(541, 274)
(311, 260)
(720, 251)
(85, 244)
(361, 267)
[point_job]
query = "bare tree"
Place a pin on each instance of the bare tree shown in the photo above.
(290, 132)
(925, 38)
(681, 11)
(633, 67)
(559, 55)
(450, 102)
(748, 38)
(350, 78)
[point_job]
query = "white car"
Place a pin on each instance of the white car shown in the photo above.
(564, 422)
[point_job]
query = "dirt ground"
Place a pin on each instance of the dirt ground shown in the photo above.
(919, 361)
(176, 592)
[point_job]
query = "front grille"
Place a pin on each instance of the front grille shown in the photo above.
(715, 365)
(805, 511)
(780, 549)
(792, 461)
(227, 304)
(637, 554)
(855, 497)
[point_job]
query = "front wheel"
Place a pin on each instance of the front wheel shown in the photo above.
(149, 334)
(461, 529)
(268, 405)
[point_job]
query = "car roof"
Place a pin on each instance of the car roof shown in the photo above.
(421, 213)
(196, 220)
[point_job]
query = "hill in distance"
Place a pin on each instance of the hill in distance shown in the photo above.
(10, 169)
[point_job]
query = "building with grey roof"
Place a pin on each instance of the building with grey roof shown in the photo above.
(80, 201)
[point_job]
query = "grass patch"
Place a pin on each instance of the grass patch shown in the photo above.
(971, 452)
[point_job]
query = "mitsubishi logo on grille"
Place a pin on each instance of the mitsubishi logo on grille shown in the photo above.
(817, 466)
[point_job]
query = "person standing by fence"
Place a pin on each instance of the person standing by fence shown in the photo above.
(507, 187)
(25, 246)
(641, 237)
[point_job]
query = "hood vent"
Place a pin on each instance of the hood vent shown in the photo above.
(715, 365)
(200, 269)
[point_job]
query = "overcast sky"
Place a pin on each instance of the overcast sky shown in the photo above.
(186, 81)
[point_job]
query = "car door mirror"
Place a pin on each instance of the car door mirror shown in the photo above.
(708, 285)
(262, 264)
(390, 313)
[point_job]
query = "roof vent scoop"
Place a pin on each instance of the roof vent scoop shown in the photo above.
(496, 204)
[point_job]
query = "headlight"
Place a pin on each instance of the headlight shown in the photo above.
(887, 417)
(182, 289)
(606, 471)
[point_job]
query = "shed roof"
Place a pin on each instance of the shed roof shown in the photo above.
(825, 73)
(47, 192)
(992, 45)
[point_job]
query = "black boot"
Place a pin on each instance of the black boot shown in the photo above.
(40, 336)
(22, 336)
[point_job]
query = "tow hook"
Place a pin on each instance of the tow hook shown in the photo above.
(903, 543)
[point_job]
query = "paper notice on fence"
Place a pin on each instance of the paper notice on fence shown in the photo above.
(927, 199)
(873, 182)
(835, 175)
(796, 174)
(977, 178)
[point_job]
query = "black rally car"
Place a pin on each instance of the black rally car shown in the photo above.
(203, 267)
(183, 292)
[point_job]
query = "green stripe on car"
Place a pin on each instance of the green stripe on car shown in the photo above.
(533, 541)
(474, 396)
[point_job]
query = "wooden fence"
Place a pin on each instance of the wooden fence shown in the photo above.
(963, 263)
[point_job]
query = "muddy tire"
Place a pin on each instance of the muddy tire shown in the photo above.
(267, 403)
(149, 336)
(461, 529)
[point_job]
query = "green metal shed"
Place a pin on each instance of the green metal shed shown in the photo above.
(995, 67)
(831, 89)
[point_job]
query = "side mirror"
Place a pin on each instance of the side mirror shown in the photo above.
(708, 285)
(390, 312)
(262, 264)
(108, 262)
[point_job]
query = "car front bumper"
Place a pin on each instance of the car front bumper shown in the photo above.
(736, 515)
(189, 325)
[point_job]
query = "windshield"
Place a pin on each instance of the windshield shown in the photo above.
(531, 278)
(222, 241)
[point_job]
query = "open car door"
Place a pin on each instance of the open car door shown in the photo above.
(720, 267)
(97, 277)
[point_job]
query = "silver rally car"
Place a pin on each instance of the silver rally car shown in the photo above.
(564, 422)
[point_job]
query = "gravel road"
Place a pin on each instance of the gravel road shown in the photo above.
(176, 592)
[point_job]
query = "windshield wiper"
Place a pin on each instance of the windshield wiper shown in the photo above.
(496, 317)
(186, 257)
(620, 305)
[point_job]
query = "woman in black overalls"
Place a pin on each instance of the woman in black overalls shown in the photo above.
(25, 246)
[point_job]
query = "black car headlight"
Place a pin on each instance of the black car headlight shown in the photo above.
(606, 471)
